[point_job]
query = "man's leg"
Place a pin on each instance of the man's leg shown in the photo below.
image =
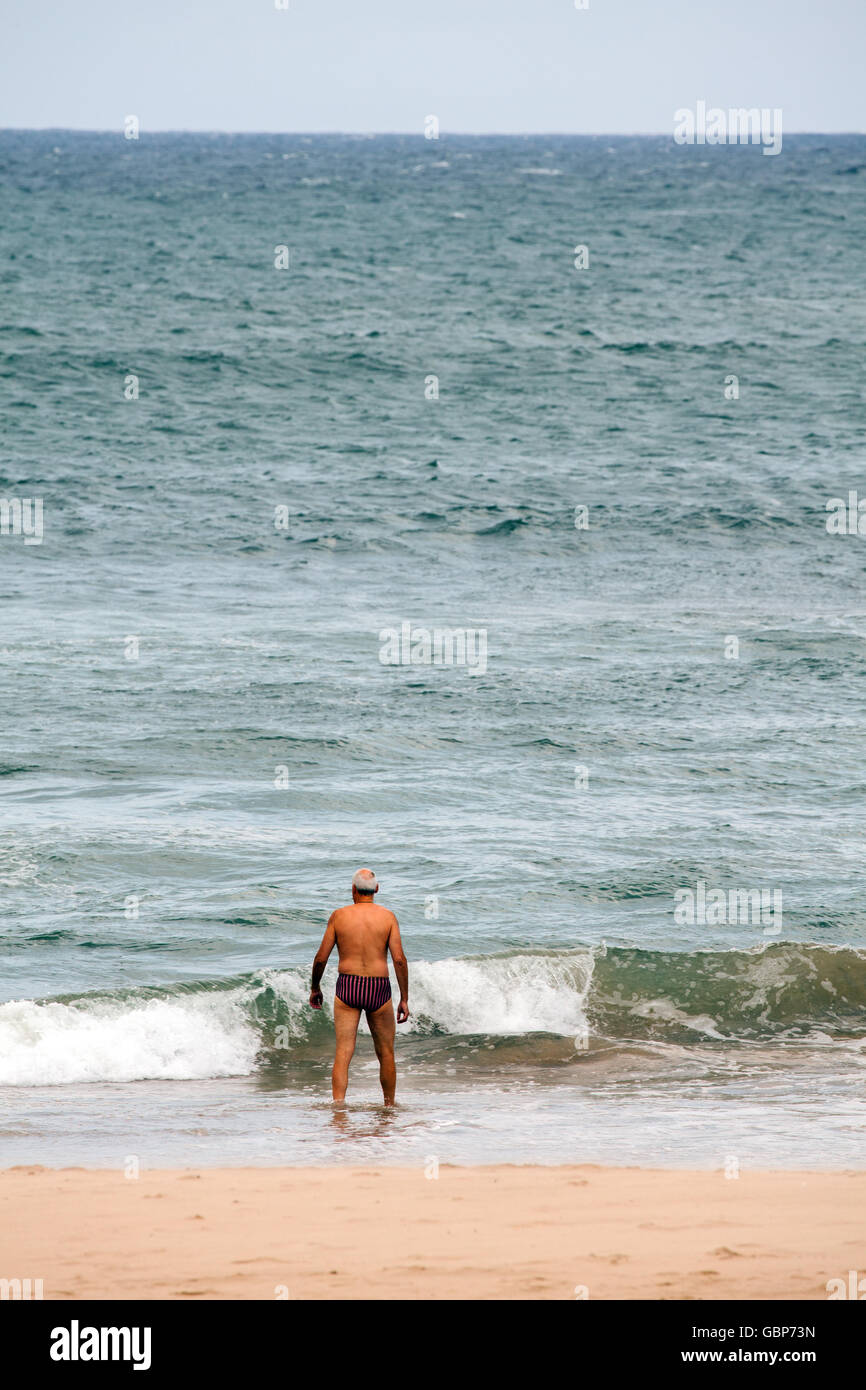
(346, 1022)
(383, 1028)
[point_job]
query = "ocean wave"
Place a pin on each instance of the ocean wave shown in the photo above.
(54, 1044)
(589, 995)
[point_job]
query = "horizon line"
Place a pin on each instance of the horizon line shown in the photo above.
(375, 134)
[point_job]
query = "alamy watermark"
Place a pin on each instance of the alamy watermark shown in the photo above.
(737, 126)
(701, 907)
(854, 1289)
(77, 1343)
(846, 518)
(438, 646)
(22, 516)
(21, 1290)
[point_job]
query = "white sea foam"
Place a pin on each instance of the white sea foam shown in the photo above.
(504, 995)
(213, 1033)
(167, 1039)
(663, 1011)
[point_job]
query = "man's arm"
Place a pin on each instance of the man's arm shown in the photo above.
(320, 960)
(401, 969)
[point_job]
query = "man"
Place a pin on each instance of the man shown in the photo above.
(363, 933)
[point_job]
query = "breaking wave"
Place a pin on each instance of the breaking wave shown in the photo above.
(221, 1028)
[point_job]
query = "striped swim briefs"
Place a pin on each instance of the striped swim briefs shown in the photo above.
(367, 992)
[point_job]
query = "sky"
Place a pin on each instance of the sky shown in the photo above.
(480, 66)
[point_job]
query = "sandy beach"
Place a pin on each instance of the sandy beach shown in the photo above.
(478, 1233)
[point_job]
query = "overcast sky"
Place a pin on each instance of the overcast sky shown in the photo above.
(384, 65)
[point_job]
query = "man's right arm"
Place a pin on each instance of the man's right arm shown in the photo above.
(401, 969)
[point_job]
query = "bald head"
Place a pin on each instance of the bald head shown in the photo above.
(365, 883)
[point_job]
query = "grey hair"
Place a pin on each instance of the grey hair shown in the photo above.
(365, 881)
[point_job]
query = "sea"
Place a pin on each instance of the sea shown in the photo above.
(483, 510)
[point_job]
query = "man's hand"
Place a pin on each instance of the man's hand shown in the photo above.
(320, 960)
(402, 1011)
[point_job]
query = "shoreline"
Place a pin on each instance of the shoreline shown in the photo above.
(497, 1232)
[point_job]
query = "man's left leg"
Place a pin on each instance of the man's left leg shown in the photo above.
(346, 1022)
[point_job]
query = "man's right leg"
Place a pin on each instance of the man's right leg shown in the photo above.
(346, 1022)
(383, 1027)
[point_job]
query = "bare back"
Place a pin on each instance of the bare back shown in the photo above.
(363, 932)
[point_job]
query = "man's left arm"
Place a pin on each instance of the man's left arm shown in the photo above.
(329, 941)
